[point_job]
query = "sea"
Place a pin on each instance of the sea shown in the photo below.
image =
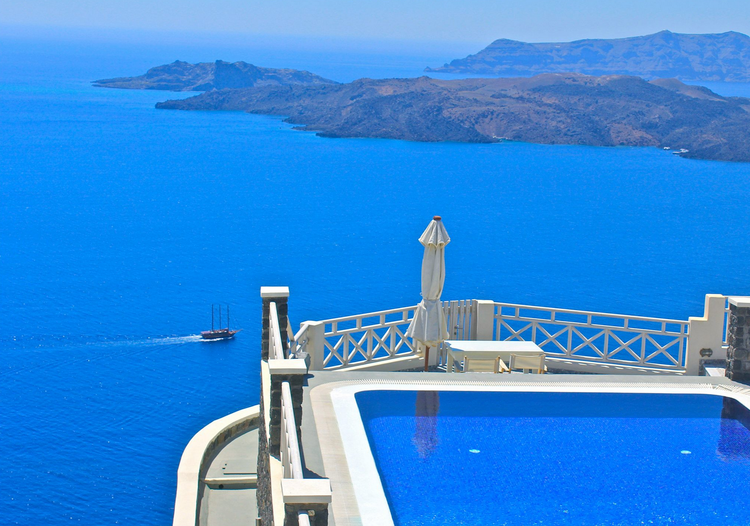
(121, 225)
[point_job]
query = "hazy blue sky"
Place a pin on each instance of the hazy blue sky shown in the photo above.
(435, 20)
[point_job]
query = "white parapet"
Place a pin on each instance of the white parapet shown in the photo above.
(706, 334)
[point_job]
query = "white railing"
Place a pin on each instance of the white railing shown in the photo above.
(595, 336)
(459, 315)
(298, 342)
(379, 336)
(375, 336)
(581, 335)
(291, 460)
(275, 344)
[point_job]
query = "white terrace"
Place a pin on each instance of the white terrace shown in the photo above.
(291, 492)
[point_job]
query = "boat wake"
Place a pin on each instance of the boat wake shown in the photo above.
(174, 339)
(167, 340)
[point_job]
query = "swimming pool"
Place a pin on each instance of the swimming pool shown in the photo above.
(505, 457)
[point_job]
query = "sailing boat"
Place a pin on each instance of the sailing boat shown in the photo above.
(218, 334)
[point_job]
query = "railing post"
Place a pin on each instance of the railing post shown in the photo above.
(279, 296)
(483, 326)
(738, 354)
(316, 344)
(705, 335)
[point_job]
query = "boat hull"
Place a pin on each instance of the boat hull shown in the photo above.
(221, 334)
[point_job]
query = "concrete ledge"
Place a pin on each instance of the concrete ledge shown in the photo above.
(233, 480)
(719, 372)
(585, 366)
(742, 302)
(291, 366)
(306, 491)
(399, 363)
(186, 504)
(274, 292)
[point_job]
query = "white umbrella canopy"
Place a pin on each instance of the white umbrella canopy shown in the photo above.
(428, 325)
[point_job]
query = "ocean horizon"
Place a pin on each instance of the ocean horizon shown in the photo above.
(123, 224)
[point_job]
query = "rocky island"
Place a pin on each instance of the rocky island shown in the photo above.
(205, 76)
(608, 110)
(691, 58)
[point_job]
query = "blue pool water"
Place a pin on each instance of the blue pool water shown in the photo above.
(523, 459)
(121, 224)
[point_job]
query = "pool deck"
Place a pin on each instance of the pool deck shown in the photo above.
(325, 436)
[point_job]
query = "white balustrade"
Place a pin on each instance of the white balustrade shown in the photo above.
(380, 336)
(275, 344)
(581, 335)
(367, 337)
(291, 460)
(595, 336)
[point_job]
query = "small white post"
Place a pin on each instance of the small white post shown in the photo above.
(706, 334)
(484, 321)
(315, 344)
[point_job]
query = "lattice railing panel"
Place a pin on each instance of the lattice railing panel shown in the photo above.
(610, 338)
(377, 336)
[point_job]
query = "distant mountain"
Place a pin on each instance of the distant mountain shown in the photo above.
(205, 76)
(716, 57)
(549, 109)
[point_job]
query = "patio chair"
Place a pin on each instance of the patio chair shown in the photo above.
(528, 362)
(477, 365)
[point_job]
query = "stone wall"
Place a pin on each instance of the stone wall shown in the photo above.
(738, 339)
(263, 493)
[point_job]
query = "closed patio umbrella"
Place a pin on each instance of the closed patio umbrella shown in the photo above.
(428, 325)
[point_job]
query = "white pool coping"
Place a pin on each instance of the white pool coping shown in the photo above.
(358, 495)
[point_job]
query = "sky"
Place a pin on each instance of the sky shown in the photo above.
(419, 20)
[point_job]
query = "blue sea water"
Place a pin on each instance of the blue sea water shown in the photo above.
(120, 225)
(527, 459)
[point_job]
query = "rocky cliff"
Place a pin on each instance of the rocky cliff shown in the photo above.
(715, 57)
(549, 109)
(205, 76)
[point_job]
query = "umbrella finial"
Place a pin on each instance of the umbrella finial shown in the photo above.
(436, 218)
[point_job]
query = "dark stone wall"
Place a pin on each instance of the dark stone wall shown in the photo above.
(263, 493)
(738, 354)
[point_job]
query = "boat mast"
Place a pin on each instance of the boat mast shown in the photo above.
(227, 316)
(212, 316)
(219, 316)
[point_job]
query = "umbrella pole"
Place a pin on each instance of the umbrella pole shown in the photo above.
(426, 359)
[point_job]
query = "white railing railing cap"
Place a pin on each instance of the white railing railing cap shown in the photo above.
(287, 366)
(589, 313)
(274, 292)
(306, 491)
(368, 314)
(290, 430)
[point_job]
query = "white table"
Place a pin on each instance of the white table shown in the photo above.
(459, 350)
